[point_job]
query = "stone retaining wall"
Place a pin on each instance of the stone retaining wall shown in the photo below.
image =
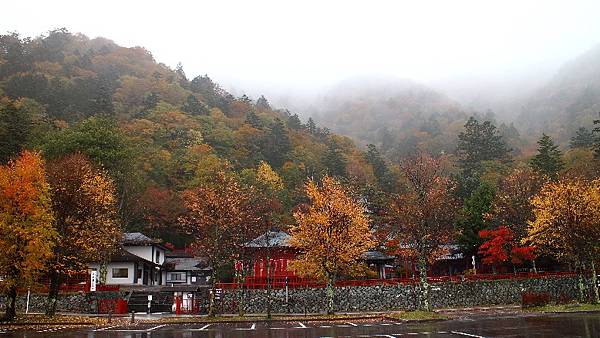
(73, 302)
(347, 299)
(403, 297)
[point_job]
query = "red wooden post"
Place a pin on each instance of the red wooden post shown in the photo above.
(178, 301)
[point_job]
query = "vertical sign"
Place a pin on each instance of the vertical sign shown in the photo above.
(93, 280)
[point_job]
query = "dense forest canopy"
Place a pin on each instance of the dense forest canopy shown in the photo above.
(157, 132)
(153, 129)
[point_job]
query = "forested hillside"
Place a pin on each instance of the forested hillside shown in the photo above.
(399, 116)
(571, 99)
(154, 130)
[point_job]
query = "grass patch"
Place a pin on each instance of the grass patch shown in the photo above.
(417, 315)
(560, 308)
(254, 318)
(41, 322)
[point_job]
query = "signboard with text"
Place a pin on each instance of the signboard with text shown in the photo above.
(93, 280)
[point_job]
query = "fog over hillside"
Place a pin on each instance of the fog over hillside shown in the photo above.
(341, 60)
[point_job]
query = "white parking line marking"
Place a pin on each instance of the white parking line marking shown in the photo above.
(466, 334)
(386, 324)
(253, 327)
(351, 324)
(302, 326)
(201, 329)
(106, 328)
(325, 326)
(156, 327)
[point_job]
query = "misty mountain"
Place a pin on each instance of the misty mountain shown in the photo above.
(397, 115)
(571, 99)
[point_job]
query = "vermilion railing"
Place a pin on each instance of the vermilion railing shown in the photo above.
(79, 283)
(279, 283)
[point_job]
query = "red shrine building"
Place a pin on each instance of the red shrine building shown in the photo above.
(275, 245)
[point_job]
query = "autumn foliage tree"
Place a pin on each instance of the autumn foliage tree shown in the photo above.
(566, 224)
(85, 217)
(26, 232)
(420, 219)
(511, 205)
(500, 246)
(332, 233)
(219, 217)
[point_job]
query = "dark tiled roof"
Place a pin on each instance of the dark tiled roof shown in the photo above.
(270, 239)
(186, 263)
(122, 255)
(374, 255)
(136, 237)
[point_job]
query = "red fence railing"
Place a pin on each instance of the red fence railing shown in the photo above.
(279, 283)
(78, 283)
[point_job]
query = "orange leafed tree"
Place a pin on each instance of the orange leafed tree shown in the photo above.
(85, 211)
(220, 217)
(332, 233)
(420, 220)
(26, 232)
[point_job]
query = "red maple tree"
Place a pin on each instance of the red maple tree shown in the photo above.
(500, 247)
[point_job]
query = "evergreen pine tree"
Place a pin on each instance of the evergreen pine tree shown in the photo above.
(15, 126)
(193, 106)
(548, 161)
(278, 144)
(596, 133)
(380, 169)
(478, 143)
(583, 139)
(262, 103)
(311, 126)
(253, 120)
(334, 160)
(294, 122)
(472, 217)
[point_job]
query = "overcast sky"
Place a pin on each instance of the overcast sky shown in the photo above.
(303, 44)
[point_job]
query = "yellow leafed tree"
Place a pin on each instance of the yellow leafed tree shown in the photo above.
(331, 233)
(566, 224)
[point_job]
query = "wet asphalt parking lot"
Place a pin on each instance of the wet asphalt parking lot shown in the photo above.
(560, 325)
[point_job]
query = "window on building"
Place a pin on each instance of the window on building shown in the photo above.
(120, 273)
(157, 257)
(176, 276)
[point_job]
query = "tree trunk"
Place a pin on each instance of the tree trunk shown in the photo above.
(594, 282)
(240, 289)
(11, 308)
(580, 283)
(424, 290)
(211, 296)
(268, 286)
(53, 290)
(330, 293)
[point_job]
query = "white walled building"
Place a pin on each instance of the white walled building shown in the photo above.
(139, 261)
